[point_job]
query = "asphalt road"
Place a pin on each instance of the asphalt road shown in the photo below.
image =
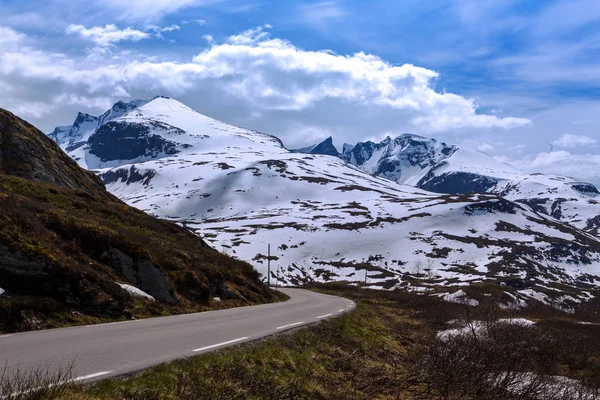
(108, 350)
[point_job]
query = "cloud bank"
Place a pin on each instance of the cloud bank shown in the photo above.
(260, 76)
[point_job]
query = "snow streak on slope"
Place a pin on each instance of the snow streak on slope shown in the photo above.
(325, 219)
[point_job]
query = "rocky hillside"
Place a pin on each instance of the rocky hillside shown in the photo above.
(328, 220)
(70, 252)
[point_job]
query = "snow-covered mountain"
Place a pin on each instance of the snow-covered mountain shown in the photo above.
(435, 166)
(326, 219)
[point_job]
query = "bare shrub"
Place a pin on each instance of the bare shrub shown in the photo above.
(494, 359)
(36, 385)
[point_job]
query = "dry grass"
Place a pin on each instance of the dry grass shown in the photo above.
(36, 385)
(386, 349)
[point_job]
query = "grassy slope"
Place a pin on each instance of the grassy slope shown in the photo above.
(58, 226)
(385, 350)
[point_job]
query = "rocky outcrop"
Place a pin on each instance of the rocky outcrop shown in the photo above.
(457, 183)
(144, 275)
(129, 141)
(326, 148)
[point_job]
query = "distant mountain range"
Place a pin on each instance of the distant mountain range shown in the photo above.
(408, 211)
(437, 167)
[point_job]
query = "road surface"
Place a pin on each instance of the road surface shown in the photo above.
(108, 350)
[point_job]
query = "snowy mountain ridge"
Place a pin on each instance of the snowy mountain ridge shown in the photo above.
(327, 219)
(435, 166)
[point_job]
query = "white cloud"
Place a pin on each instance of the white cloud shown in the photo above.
(107, 35)
(150, 10)
(279, 75)
(249, 79)
(158, 30)
(9, 37)
(580, 166)
(196, 21)
(320, 13)
(570, 141)
(485, 147)
(170, 28)
(251, 36)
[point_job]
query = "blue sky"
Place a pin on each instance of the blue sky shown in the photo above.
(519, 80)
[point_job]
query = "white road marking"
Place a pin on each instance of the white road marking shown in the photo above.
(341, 310)
(220, 344)
(290, 325)
(106, 324)
(90, 376)
(5, 336)
(324, 316)
(78, 379)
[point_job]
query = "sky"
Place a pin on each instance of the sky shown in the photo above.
(517, 79)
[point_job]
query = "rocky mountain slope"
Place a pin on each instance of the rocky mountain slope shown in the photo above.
(328, 220)
(71, 252)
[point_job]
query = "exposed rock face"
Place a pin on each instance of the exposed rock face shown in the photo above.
(144, 275)
(28, 153)
(326, 148)
(586, 188)
(119, 141)
(457, 183)
(127, 176)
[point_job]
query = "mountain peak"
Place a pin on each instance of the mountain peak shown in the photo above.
(325, 147)
(84, 117)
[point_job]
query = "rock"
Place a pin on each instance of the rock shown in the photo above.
(144, 275)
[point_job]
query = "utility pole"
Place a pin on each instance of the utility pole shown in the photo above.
(366, 272)
(269, 265)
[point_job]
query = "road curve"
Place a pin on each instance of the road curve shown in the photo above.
(108, 350)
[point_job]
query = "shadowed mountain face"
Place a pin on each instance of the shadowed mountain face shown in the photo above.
(326, 148)
(67, 246)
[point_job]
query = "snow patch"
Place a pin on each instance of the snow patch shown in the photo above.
(459, 297)
(135, 292)
(478, 328)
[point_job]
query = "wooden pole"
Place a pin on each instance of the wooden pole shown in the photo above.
(269, 265)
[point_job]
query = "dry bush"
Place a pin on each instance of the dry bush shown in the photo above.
(491, 359)
(36, 385)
